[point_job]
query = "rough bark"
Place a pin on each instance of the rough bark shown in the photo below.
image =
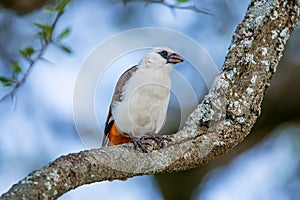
(223, 119)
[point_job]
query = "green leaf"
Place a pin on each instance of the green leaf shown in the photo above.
(6, 81)
(50, 9)
(65, 33)
(43, 27)
(65, 49)
(46, 31)
(61, 5)
(14, 65)
(182, 1)
(27, 52)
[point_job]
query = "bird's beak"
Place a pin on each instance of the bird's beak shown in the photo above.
(174, 58)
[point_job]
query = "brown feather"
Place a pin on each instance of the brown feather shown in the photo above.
(117, 96)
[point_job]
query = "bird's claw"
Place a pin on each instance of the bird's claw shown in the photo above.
(159, 139)
(138, 143)
(141, 143)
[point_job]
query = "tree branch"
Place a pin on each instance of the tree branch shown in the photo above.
(23, 7)
(46, 36)
(223, 119)
(173, 5)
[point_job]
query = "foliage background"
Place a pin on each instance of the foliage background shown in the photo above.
(38, 126)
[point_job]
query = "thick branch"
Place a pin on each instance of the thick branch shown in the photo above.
(221, 121)
(23, 7)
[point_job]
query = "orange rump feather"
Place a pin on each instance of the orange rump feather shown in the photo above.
(115, 137)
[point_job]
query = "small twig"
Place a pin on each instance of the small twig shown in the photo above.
(44, 45)
(173, 6)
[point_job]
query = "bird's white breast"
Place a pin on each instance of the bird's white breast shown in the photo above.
(145, 102)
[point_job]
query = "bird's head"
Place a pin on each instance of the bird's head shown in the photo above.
(161, 57)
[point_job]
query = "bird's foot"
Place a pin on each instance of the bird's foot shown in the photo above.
(159, 139)
(138, 143)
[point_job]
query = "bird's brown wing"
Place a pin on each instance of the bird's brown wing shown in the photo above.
(116, 97)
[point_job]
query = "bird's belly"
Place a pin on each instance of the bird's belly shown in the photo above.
(143, 110)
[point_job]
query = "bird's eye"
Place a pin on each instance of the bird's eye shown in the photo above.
(164, 54)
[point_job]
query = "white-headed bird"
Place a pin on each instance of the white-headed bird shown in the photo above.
(140, 100)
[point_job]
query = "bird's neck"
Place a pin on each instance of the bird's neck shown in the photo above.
(164, 68)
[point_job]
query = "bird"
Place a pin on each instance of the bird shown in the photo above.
(140, 100)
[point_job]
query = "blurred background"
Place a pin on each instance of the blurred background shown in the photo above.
(37, 126)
